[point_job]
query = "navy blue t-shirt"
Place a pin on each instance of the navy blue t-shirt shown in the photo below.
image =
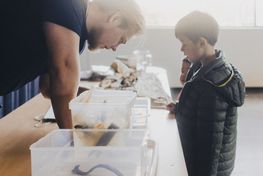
(23, 51)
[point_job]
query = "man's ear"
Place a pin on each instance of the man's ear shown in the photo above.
(115, 18)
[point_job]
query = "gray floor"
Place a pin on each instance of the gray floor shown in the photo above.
(249, 159)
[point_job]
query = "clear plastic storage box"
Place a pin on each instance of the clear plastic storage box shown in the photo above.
(113, 153)
(141, 113)
(103, 109)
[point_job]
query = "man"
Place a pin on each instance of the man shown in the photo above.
(44, 38)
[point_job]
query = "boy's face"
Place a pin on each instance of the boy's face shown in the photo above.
(193, 51)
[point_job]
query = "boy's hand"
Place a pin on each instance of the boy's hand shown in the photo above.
(186, 64)
(171, 107)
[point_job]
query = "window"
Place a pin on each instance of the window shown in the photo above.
(259, 13)
(227, 12)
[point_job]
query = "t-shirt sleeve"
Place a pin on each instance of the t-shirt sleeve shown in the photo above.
(67, 13)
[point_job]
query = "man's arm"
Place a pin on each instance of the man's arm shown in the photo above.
(63, 46)
(44, 86)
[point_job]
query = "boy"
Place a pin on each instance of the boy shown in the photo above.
(206, 112)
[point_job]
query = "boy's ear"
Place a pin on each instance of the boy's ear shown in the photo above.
(115, 18)
(202, 42)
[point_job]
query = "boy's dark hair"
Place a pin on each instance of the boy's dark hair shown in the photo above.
(196, 25)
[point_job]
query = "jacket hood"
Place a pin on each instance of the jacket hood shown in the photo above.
(226, 79)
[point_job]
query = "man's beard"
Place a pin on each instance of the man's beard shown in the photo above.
(93, 36)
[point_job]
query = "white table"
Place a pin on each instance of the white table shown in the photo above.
(17, 133)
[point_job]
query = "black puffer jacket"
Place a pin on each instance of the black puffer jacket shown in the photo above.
(207, 117)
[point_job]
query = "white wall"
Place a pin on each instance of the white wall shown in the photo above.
(242, 47)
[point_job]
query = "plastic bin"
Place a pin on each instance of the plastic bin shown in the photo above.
(141, 113)
(102, 108)
(127, 153)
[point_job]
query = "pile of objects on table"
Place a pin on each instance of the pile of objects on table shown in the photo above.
(126, 77)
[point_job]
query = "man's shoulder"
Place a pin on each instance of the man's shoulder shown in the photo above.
(67, 13)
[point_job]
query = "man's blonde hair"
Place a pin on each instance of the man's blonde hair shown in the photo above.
(133, 19)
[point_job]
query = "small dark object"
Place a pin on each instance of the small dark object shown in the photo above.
(95, 77)
(104, 140)
(77, 171)
(81, 126)
(107, 136)
(48, 120)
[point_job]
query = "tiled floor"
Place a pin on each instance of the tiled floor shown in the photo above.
(249, 159)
